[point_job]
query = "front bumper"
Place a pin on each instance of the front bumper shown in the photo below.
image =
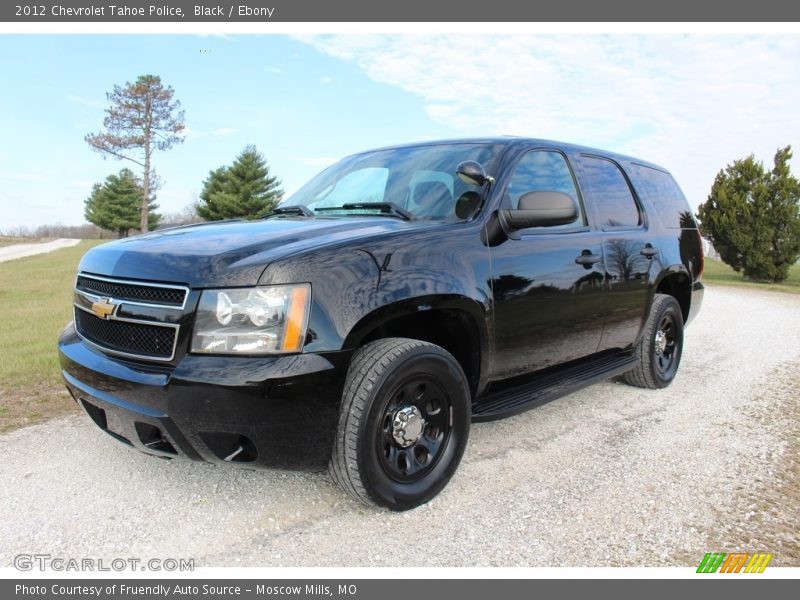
(273, 412)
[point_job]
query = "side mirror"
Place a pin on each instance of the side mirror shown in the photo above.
(541, 209)
(473, 173)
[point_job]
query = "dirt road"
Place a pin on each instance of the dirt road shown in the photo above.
(609, 476)
(23, 250)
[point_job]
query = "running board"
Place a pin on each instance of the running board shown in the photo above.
(512, 401)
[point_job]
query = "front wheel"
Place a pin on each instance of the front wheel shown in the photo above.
(659, 351)
(403, 423)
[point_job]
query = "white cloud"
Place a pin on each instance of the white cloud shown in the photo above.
(224, 131)
(81, 101)
(691, 103)
(274, 70)
(190, 133)
(326, 80)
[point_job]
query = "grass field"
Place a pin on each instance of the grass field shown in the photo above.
(717, 271)
(35, 305)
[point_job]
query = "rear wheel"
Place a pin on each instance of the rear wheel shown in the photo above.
(659, 351)
(403, 423)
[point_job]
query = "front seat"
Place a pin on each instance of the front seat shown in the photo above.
(432, 199)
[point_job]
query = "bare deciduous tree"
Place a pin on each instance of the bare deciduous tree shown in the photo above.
(142, 117)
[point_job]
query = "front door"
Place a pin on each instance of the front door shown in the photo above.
(547, 282)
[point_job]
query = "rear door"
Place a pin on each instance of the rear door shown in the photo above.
(627, 249)
(547, 282)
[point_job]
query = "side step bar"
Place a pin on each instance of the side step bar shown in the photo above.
(512, 401)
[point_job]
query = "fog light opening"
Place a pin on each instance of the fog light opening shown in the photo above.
(153, 438)
(230, 447)
(97, 414)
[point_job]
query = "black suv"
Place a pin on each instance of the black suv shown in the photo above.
(397, 296)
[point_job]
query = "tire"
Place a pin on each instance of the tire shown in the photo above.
(659, 351)
(403, 423)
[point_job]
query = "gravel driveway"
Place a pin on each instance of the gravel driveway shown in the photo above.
(22, 250)
(609, 476)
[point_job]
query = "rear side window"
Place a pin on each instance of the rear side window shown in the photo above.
(666, 197)
(610, 194)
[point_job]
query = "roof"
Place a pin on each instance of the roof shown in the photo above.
(510, 141)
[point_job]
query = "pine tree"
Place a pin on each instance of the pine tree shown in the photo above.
(245, 189)
(142, 118)
(210, 207)
(753, 217)
(115, 204)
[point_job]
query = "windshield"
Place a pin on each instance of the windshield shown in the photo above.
(418, 182)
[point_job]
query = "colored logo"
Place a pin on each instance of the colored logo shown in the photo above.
(742, 562)
(103, 308)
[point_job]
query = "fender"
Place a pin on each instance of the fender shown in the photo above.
(417, 305)
(359, 285)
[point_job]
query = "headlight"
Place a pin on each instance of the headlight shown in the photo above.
(261, 320)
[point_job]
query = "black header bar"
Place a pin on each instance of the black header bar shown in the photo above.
(466, 11)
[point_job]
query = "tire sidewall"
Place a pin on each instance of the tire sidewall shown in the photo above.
(671, 307)
(383, 489)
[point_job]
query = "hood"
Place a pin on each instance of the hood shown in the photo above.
(233, 253)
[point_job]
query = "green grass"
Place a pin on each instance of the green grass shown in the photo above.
(717, 272)
(35, 305)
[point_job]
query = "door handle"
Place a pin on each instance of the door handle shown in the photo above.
(587, 259)
(649, 251)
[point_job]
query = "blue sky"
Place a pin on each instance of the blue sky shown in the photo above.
(302, 109)
(692, 103)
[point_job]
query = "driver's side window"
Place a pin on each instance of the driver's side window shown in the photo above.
(543, 171)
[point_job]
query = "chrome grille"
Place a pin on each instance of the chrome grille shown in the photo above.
(124, 337)
(106, 316)
(140, 293)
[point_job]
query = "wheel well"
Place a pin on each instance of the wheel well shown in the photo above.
(453, 330)
(679, 287)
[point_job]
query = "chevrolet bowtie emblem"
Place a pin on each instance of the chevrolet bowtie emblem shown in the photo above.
(103, 308)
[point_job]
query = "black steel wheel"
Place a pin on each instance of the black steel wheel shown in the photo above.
(403, 424)
(665, 346)
(415, 429)
(659, 351)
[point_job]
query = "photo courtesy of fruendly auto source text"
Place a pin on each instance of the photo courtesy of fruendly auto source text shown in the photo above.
(368, 301)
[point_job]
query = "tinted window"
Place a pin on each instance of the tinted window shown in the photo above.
(363, 185)
(542, 171)
(431, 194)
(420, 179)
(423, 176)
(610, 194)
(666, 197)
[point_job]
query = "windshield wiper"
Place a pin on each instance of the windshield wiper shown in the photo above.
(389, 209)
(296, 209)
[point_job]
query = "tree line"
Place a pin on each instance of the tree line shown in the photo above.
(143, 117)
(244, 189)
